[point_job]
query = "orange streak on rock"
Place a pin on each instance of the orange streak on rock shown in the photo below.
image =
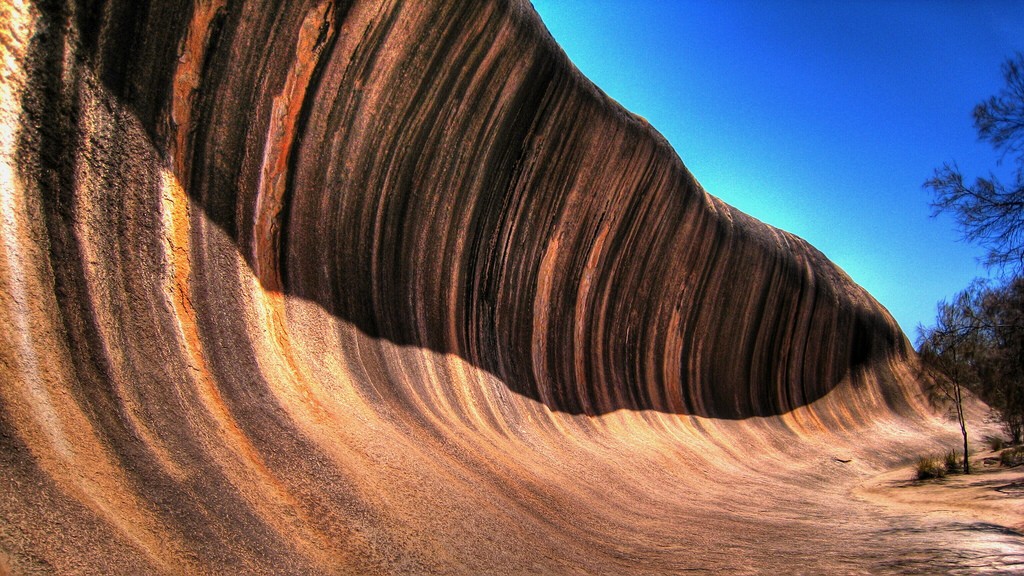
(273, 315)
(92, 235)
(542, 311)
(316, 32)
(188, 77)
(281, 506)
(585, 310)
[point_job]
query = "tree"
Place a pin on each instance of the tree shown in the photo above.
(977, 343)
(989, 211)
(978, 340)
(1001, 321)
(949, 351)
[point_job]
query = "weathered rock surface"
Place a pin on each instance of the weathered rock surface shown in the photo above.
(389, 287)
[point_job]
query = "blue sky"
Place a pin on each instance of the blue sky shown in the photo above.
(821, 118)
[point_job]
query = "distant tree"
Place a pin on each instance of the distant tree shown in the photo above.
(977, 344)
(1001, 382)
(949, 352)
(989, 211)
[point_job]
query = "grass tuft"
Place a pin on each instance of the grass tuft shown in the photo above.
(954, 463)
(929, 467)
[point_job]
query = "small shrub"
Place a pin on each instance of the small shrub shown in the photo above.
(995, 443)
(929, 467)
(953, 462)
(1012, 457)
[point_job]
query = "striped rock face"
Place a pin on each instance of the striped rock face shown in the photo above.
(388, 287)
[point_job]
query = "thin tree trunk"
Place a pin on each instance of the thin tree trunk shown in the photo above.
(963, 425)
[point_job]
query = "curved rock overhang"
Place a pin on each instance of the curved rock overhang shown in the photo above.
(320, 284)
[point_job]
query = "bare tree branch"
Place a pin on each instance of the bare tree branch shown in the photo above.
(989, 211)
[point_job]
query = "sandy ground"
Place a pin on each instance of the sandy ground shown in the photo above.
(983, 513)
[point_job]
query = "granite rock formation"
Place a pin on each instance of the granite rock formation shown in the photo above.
(331, 286)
